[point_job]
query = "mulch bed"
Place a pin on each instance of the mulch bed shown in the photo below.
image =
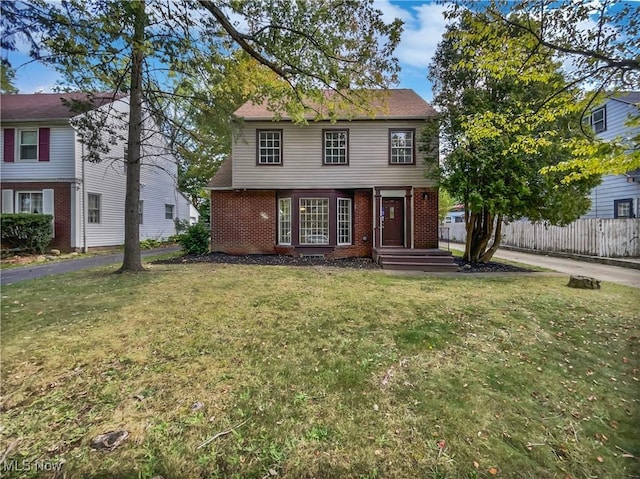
(356, 263)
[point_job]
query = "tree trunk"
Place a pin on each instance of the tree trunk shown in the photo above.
(497, 239)
(132, 261)
(479, 228)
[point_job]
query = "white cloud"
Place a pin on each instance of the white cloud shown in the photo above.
(423, 28)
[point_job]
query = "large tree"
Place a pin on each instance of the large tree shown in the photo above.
(499, 129)
(598, 45)
(146, 48)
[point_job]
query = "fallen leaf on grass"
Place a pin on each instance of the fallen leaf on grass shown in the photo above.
(493, 471)
(600, 459)
(476, 465)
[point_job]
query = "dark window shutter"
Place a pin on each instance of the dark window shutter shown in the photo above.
(43, 144)
(9, 144)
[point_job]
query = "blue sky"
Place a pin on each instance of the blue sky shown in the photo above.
(423, 28)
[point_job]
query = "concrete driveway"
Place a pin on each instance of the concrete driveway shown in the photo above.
(33, 271)
(603, 272)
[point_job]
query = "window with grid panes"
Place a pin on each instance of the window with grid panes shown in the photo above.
(335, 147)
(344, 221)
(314, 221)
(401, 147)
(284, 221)
(270, 147)
(93, 208)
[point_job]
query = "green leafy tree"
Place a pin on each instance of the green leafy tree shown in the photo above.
(7, 78)
(445, 203)
(498, 131)
(598, 45)
(145, 48)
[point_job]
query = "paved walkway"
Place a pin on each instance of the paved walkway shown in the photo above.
(33, 271)
(603, 272)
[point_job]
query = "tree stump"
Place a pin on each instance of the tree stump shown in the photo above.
(583, 282)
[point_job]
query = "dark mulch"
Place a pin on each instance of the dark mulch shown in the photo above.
(489, 267)
(357, 263)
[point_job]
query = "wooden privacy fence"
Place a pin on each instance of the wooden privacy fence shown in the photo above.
(609, 238)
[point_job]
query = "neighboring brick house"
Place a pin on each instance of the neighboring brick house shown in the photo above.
(353, 187)
(42, 171)
(618, 196)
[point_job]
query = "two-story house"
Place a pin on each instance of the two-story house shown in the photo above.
(353, 187)
(42, 171)
(618, 196)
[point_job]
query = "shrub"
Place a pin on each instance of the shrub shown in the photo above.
(181, 225)
(29, 232)
(195, 240)
(150, 243)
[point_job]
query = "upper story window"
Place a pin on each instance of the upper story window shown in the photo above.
(402, 147)
(269, 146)
(336, 147)
(599, 119)
(28, 144)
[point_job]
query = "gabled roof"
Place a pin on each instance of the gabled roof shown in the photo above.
(387, 104)
(223, 177)
(629, 97)
(47, 106)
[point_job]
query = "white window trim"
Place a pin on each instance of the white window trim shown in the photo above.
(99, 209)
(173, 211)
(603, 109)
(348, 200)
(18, 150)
(290, 221)
(17, 199)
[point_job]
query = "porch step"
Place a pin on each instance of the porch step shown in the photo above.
(429, 260)
(426, 267)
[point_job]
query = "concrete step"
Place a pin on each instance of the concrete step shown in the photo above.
(426, 267)
(385, 258)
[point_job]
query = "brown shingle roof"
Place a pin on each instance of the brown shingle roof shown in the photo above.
(387, 104)
(223, 177)
(46, 106)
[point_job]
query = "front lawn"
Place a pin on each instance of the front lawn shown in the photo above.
(318, 373)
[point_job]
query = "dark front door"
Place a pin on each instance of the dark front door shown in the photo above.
(393, 222)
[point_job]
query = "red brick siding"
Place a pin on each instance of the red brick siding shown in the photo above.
(246, 223)
(61, 209)
(243, 222)
(425, 217)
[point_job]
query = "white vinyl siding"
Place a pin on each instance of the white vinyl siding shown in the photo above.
(615, 187)
(303, 166)
(344, 221)
(61, 157)
(284, 221)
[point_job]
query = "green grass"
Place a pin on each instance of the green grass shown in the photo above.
(320, 373)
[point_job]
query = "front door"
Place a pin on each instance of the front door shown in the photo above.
(393, 222)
